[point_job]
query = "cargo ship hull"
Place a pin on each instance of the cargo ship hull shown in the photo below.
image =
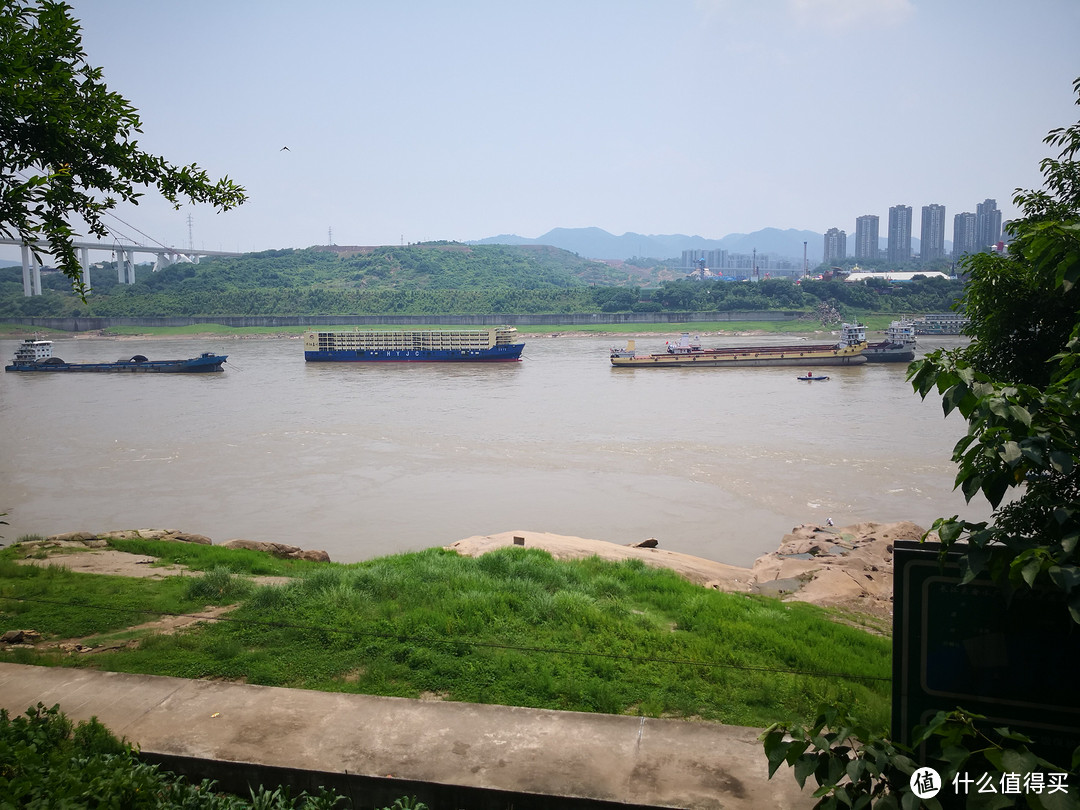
(496, 354)
(721, 359)
(687, 353)
(898, 346)
(194, 366)
(889, 353)
(494, 345)
(36, 356)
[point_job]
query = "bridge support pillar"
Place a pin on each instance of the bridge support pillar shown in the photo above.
(84, 260)
(27, 288)
(125, 266)
(31, 273)
(163, 260)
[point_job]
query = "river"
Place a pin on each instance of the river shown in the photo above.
(365, 460)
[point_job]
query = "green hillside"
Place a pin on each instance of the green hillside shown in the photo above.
(442, 278)
(423, 278)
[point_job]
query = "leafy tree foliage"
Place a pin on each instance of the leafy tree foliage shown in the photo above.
(1018, 386)
(853, 767)
(46, 761)
(418, 279)
(439, 278)
(67, 146)
(919, 295)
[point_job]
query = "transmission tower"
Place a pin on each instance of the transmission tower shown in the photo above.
(190, 238)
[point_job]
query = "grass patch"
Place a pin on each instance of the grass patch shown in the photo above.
(61, 604)
(783, 327)
(201, 557)
(512, 627)
(198, 329)
(874, 322)
(777, 327)
(217, 587)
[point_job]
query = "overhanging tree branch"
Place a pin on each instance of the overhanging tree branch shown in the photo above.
(67, 143)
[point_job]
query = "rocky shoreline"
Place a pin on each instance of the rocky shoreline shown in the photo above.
(101, 540)
(847, 567)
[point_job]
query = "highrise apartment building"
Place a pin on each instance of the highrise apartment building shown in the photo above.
(835, 245)
(866, 237)
(963, 240)
(987, 225)
(714, 259)
(899, 234)
(932, 235)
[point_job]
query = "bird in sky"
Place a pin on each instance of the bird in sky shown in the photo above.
(284, 149)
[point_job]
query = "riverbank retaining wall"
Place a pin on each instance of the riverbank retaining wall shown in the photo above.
(89, 324)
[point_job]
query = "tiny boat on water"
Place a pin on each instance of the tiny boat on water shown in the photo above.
(808, 377)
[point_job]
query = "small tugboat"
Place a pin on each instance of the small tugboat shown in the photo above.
(898, 346)
(36, 355)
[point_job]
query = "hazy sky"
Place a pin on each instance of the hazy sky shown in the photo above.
(412, 121)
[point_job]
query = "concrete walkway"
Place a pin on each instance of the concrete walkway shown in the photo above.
(473, 755)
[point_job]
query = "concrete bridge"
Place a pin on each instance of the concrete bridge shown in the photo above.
(125, 264)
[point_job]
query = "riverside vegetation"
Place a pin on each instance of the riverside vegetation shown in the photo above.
(46, 761)
(511, 627)
(444, 278)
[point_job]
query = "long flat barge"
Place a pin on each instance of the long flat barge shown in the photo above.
(688, 353)
(498, 344)
(37, 356)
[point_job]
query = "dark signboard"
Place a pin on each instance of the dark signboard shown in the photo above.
(1015, 660)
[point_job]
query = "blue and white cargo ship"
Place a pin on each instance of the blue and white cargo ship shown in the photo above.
(498, 344)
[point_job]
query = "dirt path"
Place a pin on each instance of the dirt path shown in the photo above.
(77, 557)
(107, 561)
(166, 626)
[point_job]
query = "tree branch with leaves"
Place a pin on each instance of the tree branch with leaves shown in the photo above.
(67, 144)
(1018, 386)
(1017, 383)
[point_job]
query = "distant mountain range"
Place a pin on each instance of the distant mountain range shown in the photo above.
(596, 243)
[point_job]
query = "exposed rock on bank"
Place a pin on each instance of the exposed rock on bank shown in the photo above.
(848, 566)
(100, 540)
(279, 550)
(696, 569)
